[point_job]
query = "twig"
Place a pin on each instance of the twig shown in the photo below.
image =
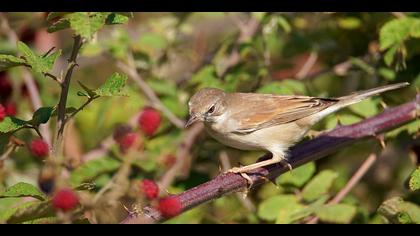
(27, 78)
(310, 62)
(90, 99)
(349, 186)
(65, 85)
(131, 71)
(247, 30)
(182, 156)
(246, 202)
(325, 144)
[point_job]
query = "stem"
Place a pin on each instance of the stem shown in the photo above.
(90, 99)
(325, 144)
(61, 110)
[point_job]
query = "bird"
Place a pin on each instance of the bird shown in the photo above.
(270, 122)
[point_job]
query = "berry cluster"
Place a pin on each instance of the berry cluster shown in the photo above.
(7, 108)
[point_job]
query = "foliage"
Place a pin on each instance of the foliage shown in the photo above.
(173, 55)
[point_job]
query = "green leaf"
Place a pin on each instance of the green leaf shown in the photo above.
(11, 124)
(390, 55)
(53, 15)
(297, 177)
(337, 213)
(59, 25)
(345, 119)
(206, 77)
(386, 73)
(319, 185)
(23, 190)
(27, 211)
(279, 208)
(116, 18)
(397, 31)
(349, 23)
(38, 64)
(9, 61)
(42, 115)
(284, 24)
(91, 169)
(285, 87)
(398, 211)
(87, 23)
(113, 86)
(363, 65)
(414, 182)
(366, 108)
(152, 41)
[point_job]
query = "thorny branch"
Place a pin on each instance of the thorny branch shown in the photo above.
(65, 86)
(305, 152)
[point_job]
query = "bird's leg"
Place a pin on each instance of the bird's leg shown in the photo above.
(242, 170)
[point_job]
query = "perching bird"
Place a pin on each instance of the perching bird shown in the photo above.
(252, 121)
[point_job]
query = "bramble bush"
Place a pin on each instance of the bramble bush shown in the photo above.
(93, 106)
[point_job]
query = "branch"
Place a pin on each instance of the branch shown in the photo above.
(325, 144)
(90, 99)
(131, 70)
(65, 85)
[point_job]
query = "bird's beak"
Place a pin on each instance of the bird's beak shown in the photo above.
(190, 121)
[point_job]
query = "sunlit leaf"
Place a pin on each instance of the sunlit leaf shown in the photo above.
(23, 190)
(319, 185)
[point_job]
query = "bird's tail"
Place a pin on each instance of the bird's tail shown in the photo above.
(359, 96)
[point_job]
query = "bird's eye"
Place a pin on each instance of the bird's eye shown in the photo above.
(211, 110)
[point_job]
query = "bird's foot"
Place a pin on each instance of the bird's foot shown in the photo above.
(242, 172)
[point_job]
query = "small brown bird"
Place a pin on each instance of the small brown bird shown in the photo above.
(251, 121)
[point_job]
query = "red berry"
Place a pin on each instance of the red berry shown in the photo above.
(127, 141)
(5, 86)
(124, 137)
(3, 113)
(149, 121)
(65, 200)
(170, 207)
(39, 148)
(10, 109)
(149, 188)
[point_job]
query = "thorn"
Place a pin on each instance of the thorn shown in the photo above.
(383, 104)
(339, 121)
(126, 208)
(381, 141)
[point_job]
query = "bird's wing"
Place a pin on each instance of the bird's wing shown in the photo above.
(257, 111)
